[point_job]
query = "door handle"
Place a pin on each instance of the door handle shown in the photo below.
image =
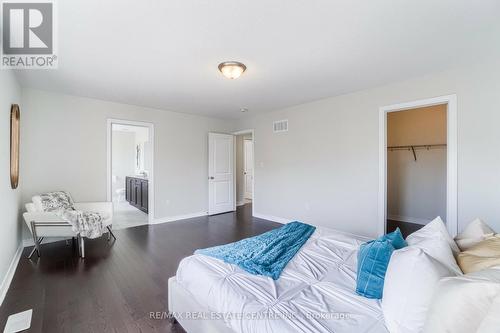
(211, 178)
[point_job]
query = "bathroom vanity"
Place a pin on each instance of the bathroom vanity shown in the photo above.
(136, 192)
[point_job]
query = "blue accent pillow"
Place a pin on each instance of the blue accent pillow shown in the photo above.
(396, 239)
(373, 259)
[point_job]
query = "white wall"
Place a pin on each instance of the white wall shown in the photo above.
(10, 203)
(123, 158)
(416, 190)
(325, 169)
(64, 147)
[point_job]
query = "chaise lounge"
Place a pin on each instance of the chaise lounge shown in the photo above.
(47, 224)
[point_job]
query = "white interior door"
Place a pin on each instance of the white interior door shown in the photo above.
(220, 173)
(248, 157)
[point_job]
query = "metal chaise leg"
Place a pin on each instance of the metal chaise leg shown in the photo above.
(110, 233)
(36, 248)
(36, 240)
(32, 252)
(81, 246)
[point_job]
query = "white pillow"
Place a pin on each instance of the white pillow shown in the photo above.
(434, 240)
(37, 201)
(461, 304)
(474, 233)
(439, 250)
(432, 230)
(410, 282)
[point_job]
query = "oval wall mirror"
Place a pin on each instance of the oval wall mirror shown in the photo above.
(14, 145)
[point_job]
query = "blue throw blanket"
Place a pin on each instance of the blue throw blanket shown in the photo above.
(266, 254)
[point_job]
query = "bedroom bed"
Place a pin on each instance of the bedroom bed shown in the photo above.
(315, 293)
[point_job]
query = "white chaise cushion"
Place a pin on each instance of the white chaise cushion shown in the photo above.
(32, 214)
(48, 217)
(30, 207)
(409, 285)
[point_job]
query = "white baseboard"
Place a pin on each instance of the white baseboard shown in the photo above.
(272, 218)
(178, 217)
(408, 219)
(4, 287)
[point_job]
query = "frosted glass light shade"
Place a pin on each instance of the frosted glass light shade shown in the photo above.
(232, 69)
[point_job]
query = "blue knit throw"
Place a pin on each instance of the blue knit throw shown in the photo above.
(266, 254)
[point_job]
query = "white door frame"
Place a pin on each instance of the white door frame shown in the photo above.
(245, 187)
(451, 175)
(151, 188)
(246, 131)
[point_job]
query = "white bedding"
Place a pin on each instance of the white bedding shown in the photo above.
(315, 292)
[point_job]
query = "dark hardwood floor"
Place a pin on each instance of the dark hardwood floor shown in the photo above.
(118, 284)
(405, 227)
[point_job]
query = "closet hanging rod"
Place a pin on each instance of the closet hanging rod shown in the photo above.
(417, 147)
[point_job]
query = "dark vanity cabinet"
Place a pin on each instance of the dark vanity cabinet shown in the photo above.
(136, 192)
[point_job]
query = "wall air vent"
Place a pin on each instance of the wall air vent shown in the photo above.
(280, 126)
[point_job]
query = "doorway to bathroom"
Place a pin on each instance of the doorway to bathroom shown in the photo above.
(130, 167)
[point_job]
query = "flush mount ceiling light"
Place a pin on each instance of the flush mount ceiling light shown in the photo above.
(232, 69)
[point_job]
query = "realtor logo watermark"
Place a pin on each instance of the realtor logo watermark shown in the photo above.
(28, 35)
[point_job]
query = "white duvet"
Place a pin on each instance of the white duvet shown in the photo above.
(315, 292)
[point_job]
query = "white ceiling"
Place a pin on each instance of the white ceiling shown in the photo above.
(164, 53)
